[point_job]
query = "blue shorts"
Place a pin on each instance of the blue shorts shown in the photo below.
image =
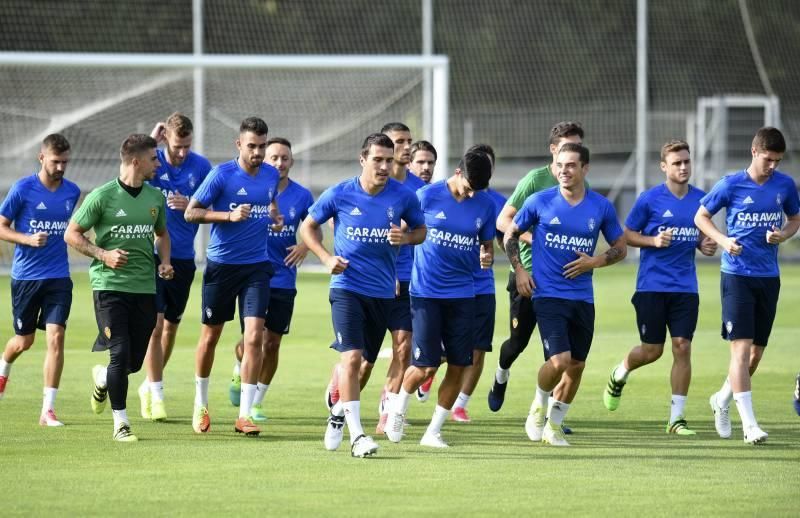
(172, 295)
(224, 283)
(565, 325)
(359, 322)
(749, 305)
(400, 310)
(281, 308)
(40, 302)
(442, 326)
(658, 310)
(485, 307)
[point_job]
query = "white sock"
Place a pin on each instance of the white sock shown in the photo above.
(338, 408)
(388, 405)
(120, 418)
(501, 375)
(100, 380)
(237, 367)
(744, 404)
(539, 399)
(5, 367)
(557, 412)
(439, 417)
(261, 391)
(461, 401)
(621, 373)
(200, 392)
(145, 386)
(246, 402)
(676, 407)
(352, 415)
(157, 390)
(725, 395)
(49, 400)
(401, 402)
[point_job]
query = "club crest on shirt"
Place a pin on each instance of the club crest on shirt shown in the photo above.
(591, 223)
(778, 199)
(192, 181)
(153, 213)
(390, 213)
(478, 223)
(292, 212)
(68, 205)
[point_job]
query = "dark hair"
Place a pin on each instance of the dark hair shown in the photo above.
(394, 126)
(376, 139)
(179, 124)
(253, 125)
(423, 145)
(56, 142)
(134, 145)
(477, 169)
(769, 139)
(279, 140)
(582, 150)
(673, 146)
(483, 148)
(565, 129)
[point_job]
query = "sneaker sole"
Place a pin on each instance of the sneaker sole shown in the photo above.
(251, 433)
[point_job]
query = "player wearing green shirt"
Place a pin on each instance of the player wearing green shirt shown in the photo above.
(125, 214)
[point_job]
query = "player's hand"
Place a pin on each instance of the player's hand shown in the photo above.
(159, 133)
(487, 258)
(240, 213)
(775, 236)
(525, 284)
(663, 238)
(581, 265)
(37, 240)
(395, 236)
(336, 264)
(177, 201)
(296, 255)
(731, 246)
(115, 258)
(708, 246)
(165, 271)
(397, 287)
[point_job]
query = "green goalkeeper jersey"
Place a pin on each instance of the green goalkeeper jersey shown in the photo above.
(535, 181)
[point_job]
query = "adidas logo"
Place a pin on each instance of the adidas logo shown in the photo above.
(667, 214)
(241, 192)
(164, 176)
(555, 221)
(748, 200)
(355, 212)
(441, 215)
(41, 206)
(121, 213)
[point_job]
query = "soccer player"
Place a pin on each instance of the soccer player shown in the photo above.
(285, 255)
(40, 206)
(238, 199)
(661, 224)
(485, 306)
(566, 222)
(125, 213)
(423, 160)
(461, 227)
(180, 173)
(522, 316)
(755, 201)
(367, 211)
(797, 394)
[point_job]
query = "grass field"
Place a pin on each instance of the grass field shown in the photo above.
(620, 464)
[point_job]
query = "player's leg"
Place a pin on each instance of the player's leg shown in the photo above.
(154, 366)
(682, 321)
(15, 346)
(26, 303)
(485, 308)
(400, 329)
(52, 369)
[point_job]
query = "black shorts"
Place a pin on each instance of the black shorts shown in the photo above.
(485, 307)
(172, 295)
(447, 324)
(223, 284)
(359, 322)
(40, 302)
(125, 321)
(400, 310)
(749, 305)
(565, 325)
(522, 318)
(658, 310)
(281, 308)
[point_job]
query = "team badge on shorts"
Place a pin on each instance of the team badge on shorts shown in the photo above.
(729, 326)
(107, 332)
(19, 323)
(209, 312)
(339, 338)
(546, 344)
(644, 329)
(153, 212)
(514, 322)
(417, 352)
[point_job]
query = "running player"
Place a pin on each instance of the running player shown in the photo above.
(423, 160)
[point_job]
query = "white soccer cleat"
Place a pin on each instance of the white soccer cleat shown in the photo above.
(534, 424)
(394, 426)
(433, 440)
(363, 446)
(49, 419)
(755, 435)
(334, 432)
(722, 420)
(554, 435)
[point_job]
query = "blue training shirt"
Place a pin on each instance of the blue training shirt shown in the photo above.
(184, 180)
(293, 203)
(361, 227)
(444, 264)
(484, 278)
(33, 208)
(669, 269)
(752, 210)
(226, 187)
(405, 257)
(560, 230)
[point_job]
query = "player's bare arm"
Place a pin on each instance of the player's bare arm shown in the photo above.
(506, 219)
(312, 236)
(74, 236)
(163, 247)
(196, 213)
(584, 263)
(777, 235)
(7, 233)
(639, 240)
(703, 222)
(525, 284)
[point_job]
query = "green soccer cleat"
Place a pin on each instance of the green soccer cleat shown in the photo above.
(99, 394)
(680, 427)
(235, 390)
(157, 411)
(613, 392)
(257, 414)
(145, 402)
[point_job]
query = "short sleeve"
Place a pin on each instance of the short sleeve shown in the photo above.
(308, 201)
(718, 198)
(210, 189)
(161, 221)
(610, 227)
(522, 192)
(412, 214)
(639, 214)
(791, 205)
(12, 204)
(325, 207)
(528, 215)
(90, 211)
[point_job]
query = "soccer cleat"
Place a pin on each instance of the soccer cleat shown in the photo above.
(201, 421)
(363, 446)
(246, 426)
(554, 435)
(100, 394)
(124, 434)
(382, 402)
(680, 427)
(433, 440)
(613, 392)
(722, 421)
(3, 383)
(257, 414)
(332, 391)
(381, 424)
(157, 411)
(534, 424)
(145, 400)
(566, 429)
(497, 395)
(334, 432)
(460, 415)
(796, 394)
(394, 426)
(424, 390)
(235, 390)
(49, 419)
(755, 435)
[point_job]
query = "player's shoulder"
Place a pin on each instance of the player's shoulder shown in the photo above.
(695, 192)
(26, 183)
(298, 189)
(496, 196)
(225, 168)
(151, 190)
(432, 189)
(199, 162)
(784, 178)
(598, 199)
(70, 188)
(269, 169)
(535, 177)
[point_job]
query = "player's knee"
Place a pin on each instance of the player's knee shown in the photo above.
(652, 352)
(681, 348)
(561, 362)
